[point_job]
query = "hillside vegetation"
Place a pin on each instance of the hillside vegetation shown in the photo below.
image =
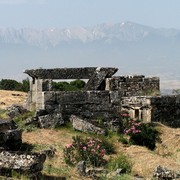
(166, 153)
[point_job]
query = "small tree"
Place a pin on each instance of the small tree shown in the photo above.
(25, 85)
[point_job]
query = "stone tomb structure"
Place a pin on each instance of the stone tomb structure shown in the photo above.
(94, 101)
(104, 95)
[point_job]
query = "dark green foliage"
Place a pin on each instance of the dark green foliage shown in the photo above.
(123, 140)
(107, 144)
(143, 134)
(148, 136)
(9, 84)
(13, 85)
(25, 85)
(76, 85)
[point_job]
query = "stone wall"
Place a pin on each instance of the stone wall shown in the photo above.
(133, 85)
(138, 107)
(42, 79)
(87, 104)
(166, 109)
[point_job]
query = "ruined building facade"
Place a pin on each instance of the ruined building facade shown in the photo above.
(104, 95)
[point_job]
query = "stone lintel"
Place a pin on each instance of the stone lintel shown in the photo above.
(68, 73)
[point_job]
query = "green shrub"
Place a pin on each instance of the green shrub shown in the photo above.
(20, 121)
(120, 162)
(139, 133)
(90, 150)
(123, 140)
(76, 85)
(148, 136)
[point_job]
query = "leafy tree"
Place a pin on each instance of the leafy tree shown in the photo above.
(78, 83)
(10, 84)
(65, 86)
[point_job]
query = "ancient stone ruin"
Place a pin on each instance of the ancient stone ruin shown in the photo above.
(94, 101)
(104, 96)
(12, 158)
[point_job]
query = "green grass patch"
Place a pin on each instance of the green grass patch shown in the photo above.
(121, 161)
(3, 114)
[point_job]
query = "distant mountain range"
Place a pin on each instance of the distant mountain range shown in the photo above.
(104, 33)
(133, 48)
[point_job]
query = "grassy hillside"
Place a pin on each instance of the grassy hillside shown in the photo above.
(166, 154)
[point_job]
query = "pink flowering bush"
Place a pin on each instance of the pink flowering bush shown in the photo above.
(130, 126)
(139, 133)
(90, 150)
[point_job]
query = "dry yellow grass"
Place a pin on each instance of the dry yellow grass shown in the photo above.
(144, 160)
(8, 98)
(57, 139)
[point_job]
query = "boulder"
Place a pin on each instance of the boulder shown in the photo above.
(85, 126)
(164, 173)
(15, 110)
(81, 168)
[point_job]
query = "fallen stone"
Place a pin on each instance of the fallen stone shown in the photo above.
(7, 125)
(119, 171)
(85, 126)
(41, 112)
(50, 121)
(15, 110)
(46, 121)
(164, 173)
(21, 162)
(81, 168)
(96, 80)
(50, 152)
(10, 135)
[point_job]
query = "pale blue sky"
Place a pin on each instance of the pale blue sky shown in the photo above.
(68, 13)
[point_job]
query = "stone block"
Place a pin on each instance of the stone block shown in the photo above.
(21, 161)
(50, 121)
(82, 125)
(10, 135)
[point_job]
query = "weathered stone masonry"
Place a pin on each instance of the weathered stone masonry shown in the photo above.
(133, 85)
(164, 109)
(104, 95)
(93, 102)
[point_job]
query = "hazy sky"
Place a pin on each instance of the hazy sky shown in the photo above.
(68, 13)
